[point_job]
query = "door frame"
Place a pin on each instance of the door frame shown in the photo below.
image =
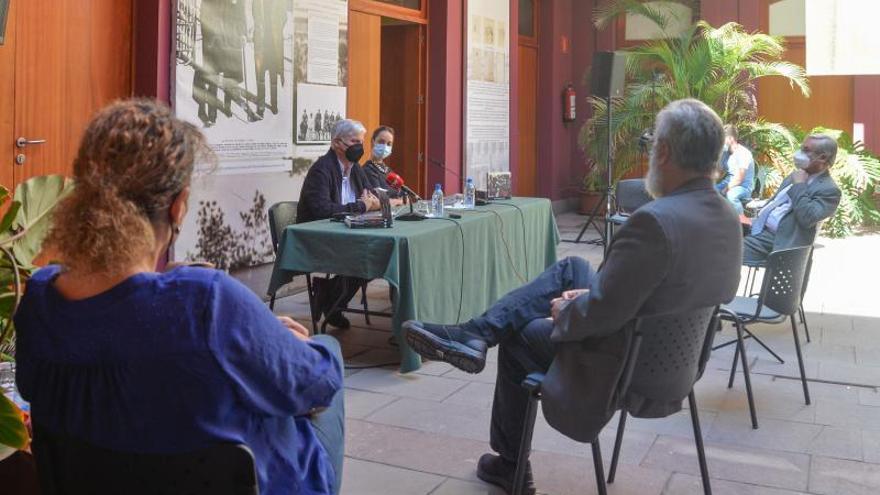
(419, 17)
(531, 42)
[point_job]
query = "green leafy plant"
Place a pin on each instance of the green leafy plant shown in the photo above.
(22, 230)
(719, 66)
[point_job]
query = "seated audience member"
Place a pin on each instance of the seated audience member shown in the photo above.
(112, 353)
(739, 173)
(336, 183)
(570, 319)
(805, 198)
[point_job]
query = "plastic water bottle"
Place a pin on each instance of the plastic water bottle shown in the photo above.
(470, 194)
(437, 202)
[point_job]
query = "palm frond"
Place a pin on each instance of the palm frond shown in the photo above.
(603, 15)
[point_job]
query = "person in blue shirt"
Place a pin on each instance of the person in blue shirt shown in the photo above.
(739, 173)
(115, 354)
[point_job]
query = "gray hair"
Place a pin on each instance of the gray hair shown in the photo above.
(347, 128)
(826, 145)
(694, 134)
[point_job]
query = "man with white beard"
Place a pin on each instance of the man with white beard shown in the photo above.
(681, 252)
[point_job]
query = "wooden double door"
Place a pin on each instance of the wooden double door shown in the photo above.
(60, 62)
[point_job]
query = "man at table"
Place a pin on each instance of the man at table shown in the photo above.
(569, 320)
(336, 184)
(804, 199)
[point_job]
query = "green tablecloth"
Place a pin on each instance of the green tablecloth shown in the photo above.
(441, 274)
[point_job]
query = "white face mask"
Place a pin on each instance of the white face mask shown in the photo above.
(801, 160)
(382, 151)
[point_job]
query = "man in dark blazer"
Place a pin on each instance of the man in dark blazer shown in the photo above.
(336, 184)
(680, 252)
(804, 199)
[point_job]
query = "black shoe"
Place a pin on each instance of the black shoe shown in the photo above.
(493, 469)
(450, 343)
(338, 321)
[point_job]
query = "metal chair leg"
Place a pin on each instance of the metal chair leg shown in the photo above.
(735, 362)
(272, 302)
(612, 471)
(698, 438)
(311, 293)
(765, 346)
(525, 445)
(748, 380)
(804, 321)
(600, 469)
(797, 346)
(364, 302)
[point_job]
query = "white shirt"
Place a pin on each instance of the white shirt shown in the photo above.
(346, 193)
(779, 207)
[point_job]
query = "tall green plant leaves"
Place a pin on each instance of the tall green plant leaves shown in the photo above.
(13, 432)
(38, 196)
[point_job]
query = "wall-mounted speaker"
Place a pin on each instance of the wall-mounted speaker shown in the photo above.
(608, 74)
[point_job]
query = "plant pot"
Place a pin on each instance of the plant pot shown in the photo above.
(589, 200)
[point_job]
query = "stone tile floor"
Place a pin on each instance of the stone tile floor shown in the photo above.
(422, 433)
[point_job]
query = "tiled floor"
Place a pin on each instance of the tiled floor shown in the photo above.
(422, 433)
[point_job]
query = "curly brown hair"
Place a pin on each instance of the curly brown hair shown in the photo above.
(135, 157)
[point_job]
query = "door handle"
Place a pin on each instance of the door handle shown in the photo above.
(22, 142)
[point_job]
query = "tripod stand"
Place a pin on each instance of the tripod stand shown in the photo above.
(608, 197)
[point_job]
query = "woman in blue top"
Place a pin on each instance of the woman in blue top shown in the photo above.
(115, 354)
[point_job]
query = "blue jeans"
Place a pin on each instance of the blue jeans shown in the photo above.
(518, 322)
(736, 194)
(329, 424)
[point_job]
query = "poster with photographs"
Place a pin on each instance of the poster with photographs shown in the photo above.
(262, 161)
(319, 109)
(233, 73)
(488, 90)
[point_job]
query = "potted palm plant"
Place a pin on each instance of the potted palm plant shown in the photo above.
(719, 66)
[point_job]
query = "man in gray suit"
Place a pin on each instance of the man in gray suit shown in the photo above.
(677, 253)
(805, 198)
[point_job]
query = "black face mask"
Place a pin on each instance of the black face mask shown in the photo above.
(354, 153)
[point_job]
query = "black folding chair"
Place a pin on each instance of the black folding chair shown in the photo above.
(666, 358)
(70, 466)
(631, 195)
(780, 298)
(282, 215)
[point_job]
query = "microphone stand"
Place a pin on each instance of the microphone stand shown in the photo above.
(412, 216)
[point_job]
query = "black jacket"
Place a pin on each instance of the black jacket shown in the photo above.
(320, 197)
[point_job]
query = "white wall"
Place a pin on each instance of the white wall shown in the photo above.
(788, 18)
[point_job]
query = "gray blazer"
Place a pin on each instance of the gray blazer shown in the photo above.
(810, 204)
(678, 253)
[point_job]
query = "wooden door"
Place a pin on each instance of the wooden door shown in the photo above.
(71, 57)
(526, 180)
(364, 75)
(403, 100)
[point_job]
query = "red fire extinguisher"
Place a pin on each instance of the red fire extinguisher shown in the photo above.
(569, 104)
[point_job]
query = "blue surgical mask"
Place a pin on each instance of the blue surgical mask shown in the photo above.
(801, 160)
(382, 151)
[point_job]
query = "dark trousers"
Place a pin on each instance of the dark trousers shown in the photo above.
(334, 294)
(329, 424)
(519, 323)
(757, 248)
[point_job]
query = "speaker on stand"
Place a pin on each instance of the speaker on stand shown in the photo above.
(607, 80)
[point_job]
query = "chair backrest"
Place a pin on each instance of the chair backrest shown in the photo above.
(280, 216)
(631, 195)
(782, 288)
(67, 465)
(668, 355)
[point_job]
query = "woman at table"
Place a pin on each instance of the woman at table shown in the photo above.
(376, 169)
(114, 354)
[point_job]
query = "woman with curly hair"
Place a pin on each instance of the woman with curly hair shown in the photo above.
(114, 354)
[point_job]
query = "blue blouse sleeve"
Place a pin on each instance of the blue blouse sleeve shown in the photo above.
(274, 371)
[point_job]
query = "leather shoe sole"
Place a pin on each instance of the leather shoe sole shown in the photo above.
(432, 347)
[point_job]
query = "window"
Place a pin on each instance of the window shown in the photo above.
(409, 4)
(527, 18)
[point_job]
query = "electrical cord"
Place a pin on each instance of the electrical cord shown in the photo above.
(461, 287)
(522, 217)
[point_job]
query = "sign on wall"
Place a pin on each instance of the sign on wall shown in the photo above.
(265, 80)
(842, 38)
(487, 109)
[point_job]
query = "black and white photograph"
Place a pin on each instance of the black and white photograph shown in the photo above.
(318, 110)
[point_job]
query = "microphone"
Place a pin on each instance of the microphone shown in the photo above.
(396, 182)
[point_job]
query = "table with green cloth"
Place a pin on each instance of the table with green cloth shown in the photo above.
(441, 270)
